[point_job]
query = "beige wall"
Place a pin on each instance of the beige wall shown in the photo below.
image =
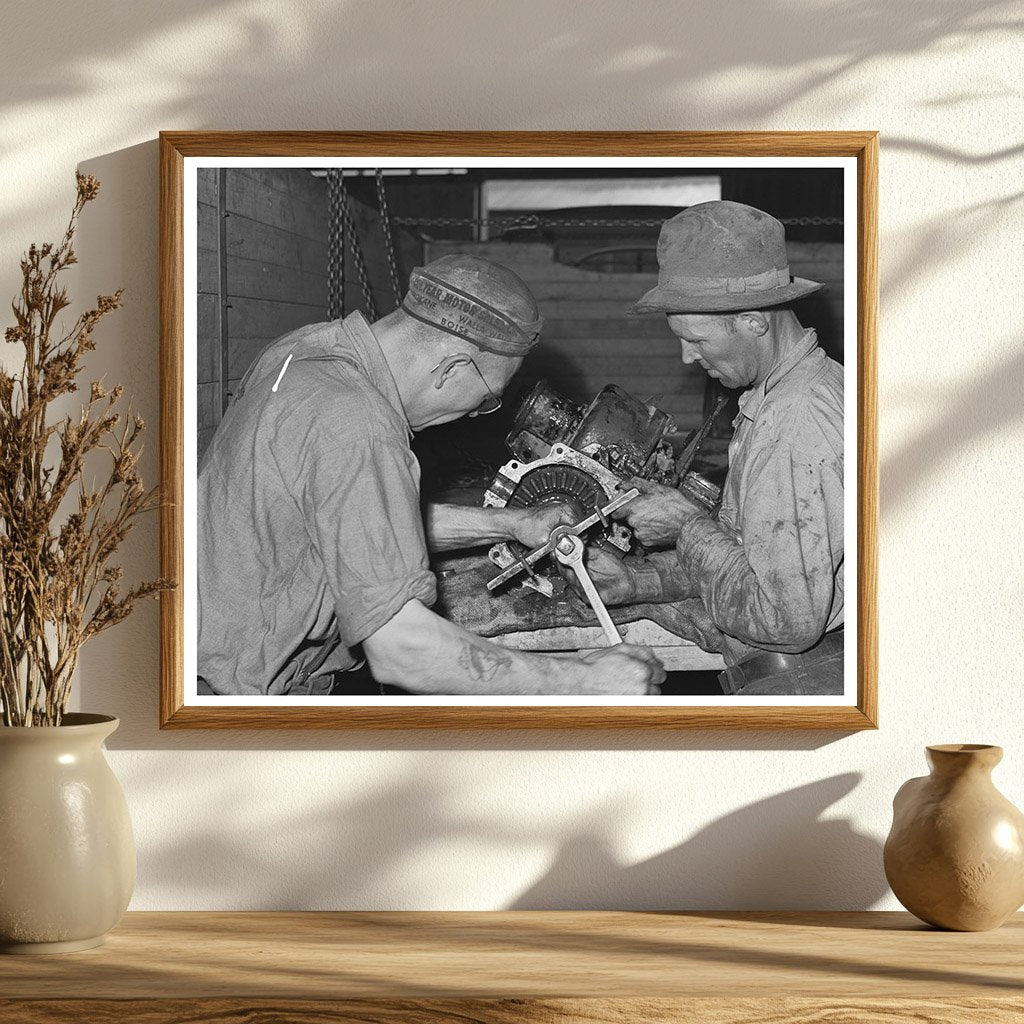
(702, 820)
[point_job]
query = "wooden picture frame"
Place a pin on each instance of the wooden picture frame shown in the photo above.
(179, 151)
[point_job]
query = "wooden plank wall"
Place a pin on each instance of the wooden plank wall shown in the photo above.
(589, 340)
(277, 231)
(276, 260)
(276, 240)
(276, 246)
(207, 308)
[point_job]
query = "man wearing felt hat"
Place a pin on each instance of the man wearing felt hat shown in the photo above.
(761, 581)
(311, 540)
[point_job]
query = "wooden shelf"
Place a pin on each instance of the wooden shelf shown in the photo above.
(505, 968)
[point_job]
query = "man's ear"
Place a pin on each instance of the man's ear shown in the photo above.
(755, 322)
(447, 367)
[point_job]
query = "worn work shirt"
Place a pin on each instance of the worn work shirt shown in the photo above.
(310, 536)
(769, 570)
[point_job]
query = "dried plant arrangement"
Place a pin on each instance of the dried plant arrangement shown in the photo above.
(58, 533)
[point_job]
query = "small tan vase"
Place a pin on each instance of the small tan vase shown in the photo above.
(955, 854)
(67, 856)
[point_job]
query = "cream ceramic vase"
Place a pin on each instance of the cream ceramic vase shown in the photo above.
(955, 855)
(67, 856)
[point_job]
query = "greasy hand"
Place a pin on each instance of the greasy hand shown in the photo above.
(611, 576)
(623, 670)
(657, 514)
(531, 526)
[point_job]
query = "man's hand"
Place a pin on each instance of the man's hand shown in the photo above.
(612, 576)
(532, 526)
(656, 515)
(623, 670)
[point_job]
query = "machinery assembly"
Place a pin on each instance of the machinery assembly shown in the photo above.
(581, 457)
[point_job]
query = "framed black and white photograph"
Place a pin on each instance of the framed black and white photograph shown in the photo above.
(519, 430)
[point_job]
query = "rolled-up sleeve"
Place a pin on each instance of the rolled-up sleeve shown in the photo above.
(773, 586)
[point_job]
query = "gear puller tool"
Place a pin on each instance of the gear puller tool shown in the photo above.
(565, 544)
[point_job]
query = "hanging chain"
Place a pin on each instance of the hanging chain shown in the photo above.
(369, 306)
(389, 247)
(535, 222)
(335, 246)
(529, 221)
(816, 222)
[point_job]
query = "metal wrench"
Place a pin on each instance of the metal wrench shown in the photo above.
(568, 549)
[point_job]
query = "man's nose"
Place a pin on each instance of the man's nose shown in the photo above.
(688, 351)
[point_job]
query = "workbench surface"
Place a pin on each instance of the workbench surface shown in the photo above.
(523, 619)
(525, 966)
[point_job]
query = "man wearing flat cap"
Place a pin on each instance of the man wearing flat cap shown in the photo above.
(311, 540)
(761, 581)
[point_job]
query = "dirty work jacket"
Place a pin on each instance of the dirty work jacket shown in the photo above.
(769, 570)
(310, 536)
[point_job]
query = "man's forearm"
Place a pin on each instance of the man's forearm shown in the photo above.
(660, 578)
(420, 651)
(772, 590)
(450, 527)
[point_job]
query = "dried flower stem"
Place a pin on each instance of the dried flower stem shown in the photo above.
(57, 586)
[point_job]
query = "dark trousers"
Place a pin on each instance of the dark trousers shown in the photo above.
(817, 672)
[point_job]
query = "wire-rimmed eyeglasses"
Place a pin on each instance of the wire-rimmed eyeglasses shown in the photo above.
(492, 403)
